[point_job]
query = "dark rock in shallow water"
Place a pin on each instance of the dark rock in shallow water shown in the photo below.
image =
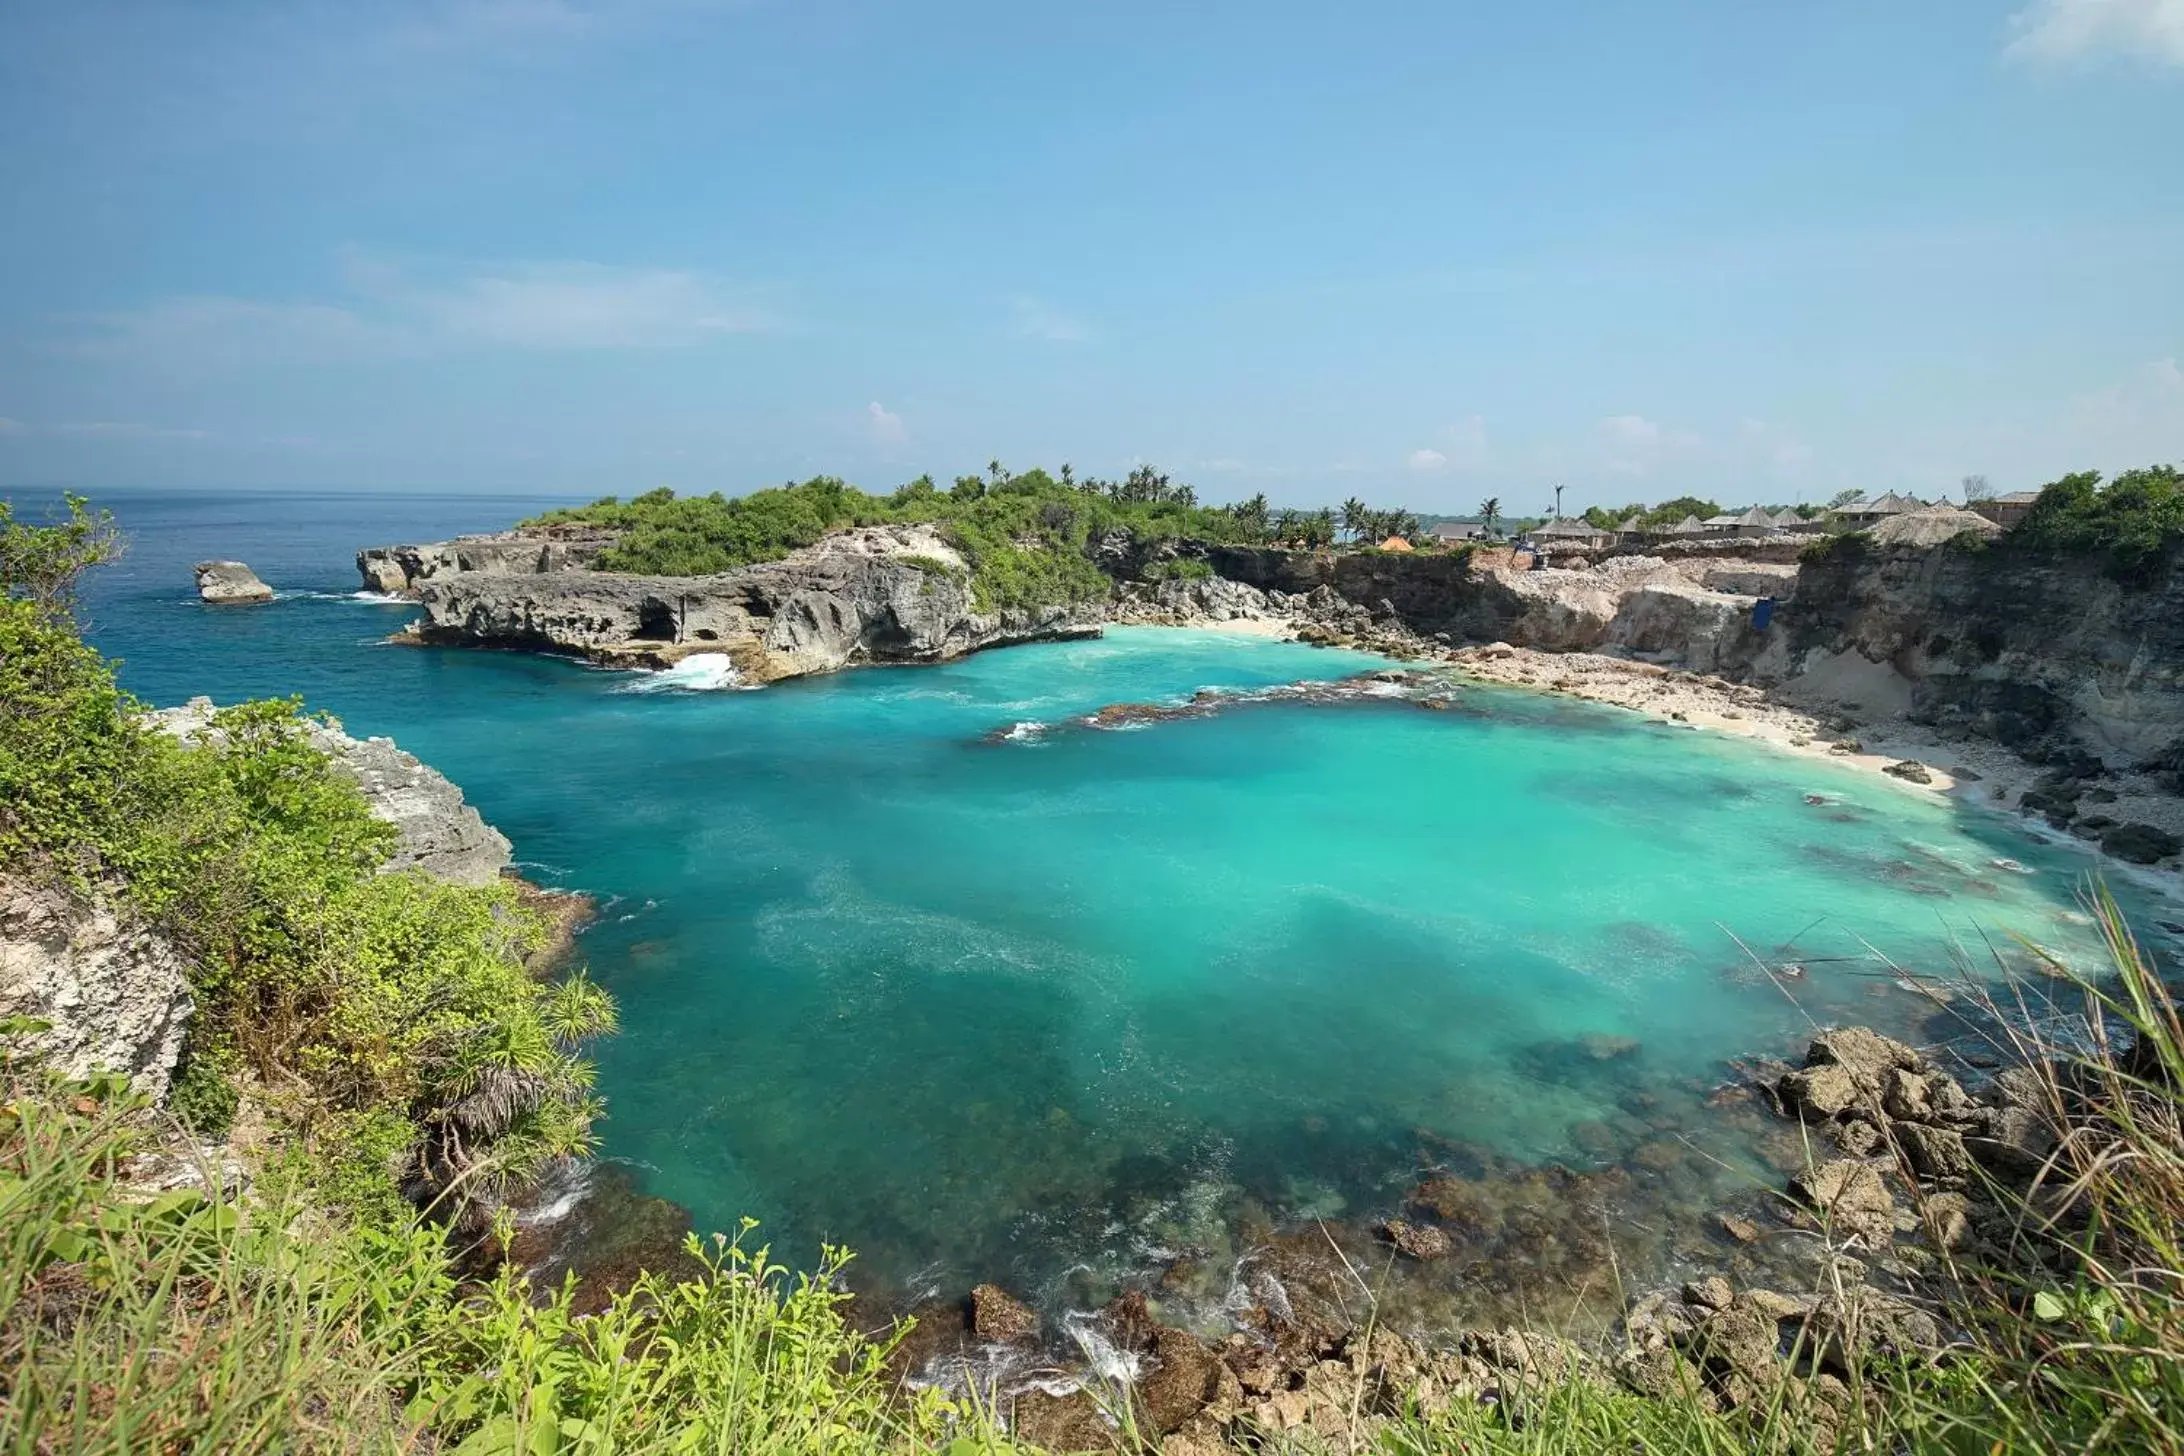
(2140, 843)
(1419, 1241)
(1911, 771)
(1066, 1422)
(999, 1318)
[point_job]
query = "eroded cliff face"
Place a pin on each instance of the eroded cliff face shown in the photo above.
(2052, 656)
(875, 594)
(435, 830)
(526, 551)
(113, 994)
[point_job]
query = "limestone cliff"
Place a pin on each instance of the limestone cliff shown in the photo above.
(525, 551)
(2053, 655)
(436, 831)
(874, 594)
(112, 994)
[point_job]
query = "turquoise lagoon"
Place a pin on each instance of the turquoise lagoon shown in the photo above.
(1059, 1005)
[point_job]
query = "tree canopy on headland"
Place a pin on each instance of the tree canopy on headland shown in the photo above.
(1026, 534)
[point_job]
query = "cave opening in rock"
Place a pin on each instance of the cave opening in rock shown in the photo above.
(656, 622)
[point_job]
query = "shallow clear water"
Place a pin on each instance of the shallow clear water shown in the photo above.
(978, 1005)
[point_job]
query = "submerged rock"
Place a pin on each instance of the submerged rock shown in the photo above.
(228, 582)
(1419, 1241)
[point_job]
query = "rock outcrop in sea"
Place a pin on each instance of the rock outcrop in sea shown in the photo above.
(225, 582)
(874, 594)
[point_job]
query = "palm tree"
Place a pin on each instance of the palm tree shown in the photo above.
(1490, 512)
(1357, 517)
(1323, 527)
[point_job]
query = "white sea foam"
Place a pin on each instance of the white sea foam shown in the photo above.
(371, 598)
(1107, 1360)
(700, 672)
(1028, 731)
(568, 1182)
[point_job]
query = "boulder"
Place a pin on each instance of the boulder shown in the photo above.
(1864, 1053)
(1419, 1241)
(1186, 1376)
(2140, 843)
(999, 1318)
(1935, 1152)
(1820, 1094)
(1852, 1197)
(2014, 1139)
(1065, 1421)
(227, 582)
(1910, 770)
(114, 995)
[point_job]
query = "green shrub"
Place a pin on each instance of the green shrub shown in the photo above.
(362, 1003)
(1180, 568)
(2137, 516)
(275, 1324)
(1025, 536)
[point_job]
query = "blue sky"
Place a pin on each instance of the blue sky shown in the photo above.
(1423, 253)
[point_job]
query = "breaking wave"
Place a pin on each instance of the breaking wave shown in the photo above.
(700, 672)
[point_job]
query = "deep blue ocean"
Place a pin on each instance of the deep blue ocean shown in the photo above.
(1061, 1006)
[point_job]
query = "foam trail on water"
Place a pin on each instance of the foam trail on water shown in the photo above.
(700, 672)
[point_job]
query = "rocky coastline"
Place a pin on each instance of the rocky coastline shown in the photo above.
(879, 594)
(114, 994)
(2076, 720)
(1900, 1167)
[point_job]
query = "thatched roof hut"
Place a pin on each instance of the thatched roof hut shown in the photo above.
(1932, 525)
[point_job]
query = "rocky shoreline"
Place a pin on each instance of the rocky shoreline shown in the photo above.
(1846, 670)
(1903, 1148)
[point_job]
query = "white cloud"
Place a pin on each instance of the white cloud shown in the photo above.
(2063, 31)
(1630, 430)
(885, 425)
(1460, 446)
(388, 310)
(128, 430)
(1033, 318)
(577, 306)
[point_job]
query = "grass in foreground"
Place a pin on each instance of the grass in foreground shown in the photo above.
(178, 1324)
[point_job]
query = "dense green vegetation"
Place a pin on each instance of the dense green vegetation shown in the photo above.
(2135, 517)
(386, 1021)
(277, 1325)
(1027, 536)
